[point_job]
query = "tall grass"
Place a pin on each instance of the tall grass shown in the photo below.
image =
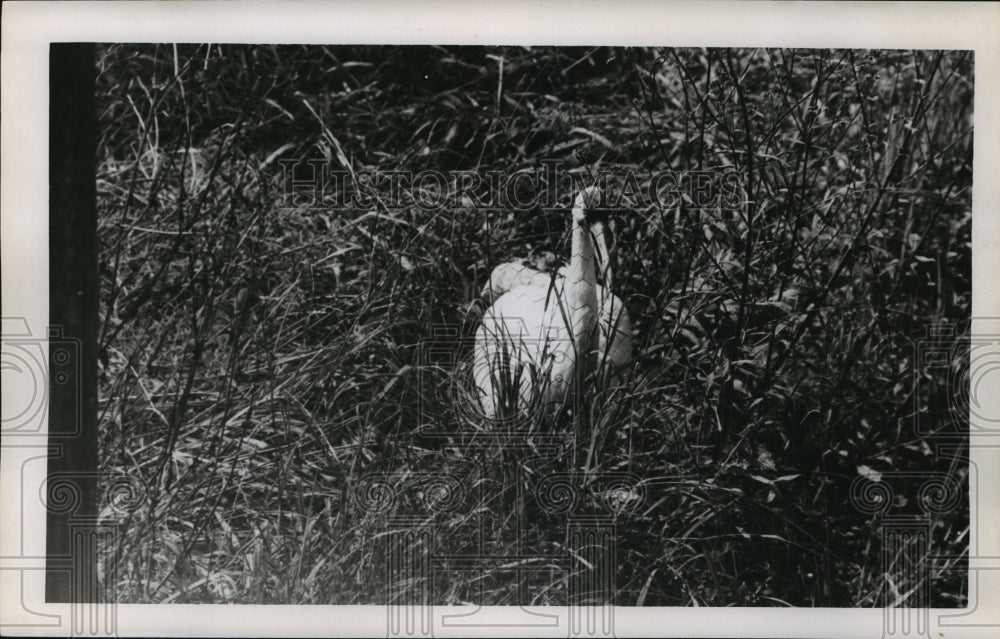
(269, 369)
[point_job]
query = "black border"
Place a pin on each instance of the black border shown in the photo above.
(71, 565)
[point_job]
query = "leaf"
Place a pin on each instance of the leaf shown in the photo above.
(775, 537)
(765, 459)
(787, 477)
(274, 155)
(595, 136)
(869, 473)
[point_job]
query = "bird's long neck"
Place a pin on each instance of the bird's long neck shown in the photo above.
(582, 283)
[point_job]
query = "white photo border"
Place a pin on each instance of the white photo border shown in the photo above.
(28, 29)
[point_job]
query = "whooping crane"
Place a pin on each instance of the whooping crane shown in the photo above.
(532, 271)
(544, 332)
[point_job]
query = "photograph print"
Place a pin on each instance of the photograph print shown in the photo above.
(533, 326)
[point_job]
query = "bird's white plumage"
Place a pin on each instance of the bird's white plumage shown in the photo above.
(529, 345)
(511, 275)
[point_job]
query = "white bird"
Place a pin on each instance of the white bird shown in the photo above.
(546, 332)
(511, 275)
(535, 270)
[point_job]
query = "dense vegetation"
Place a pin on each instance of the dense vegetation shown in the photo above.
(264, 330)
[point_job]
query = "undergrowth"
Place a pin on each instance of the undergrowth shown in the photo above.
(286, 375)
